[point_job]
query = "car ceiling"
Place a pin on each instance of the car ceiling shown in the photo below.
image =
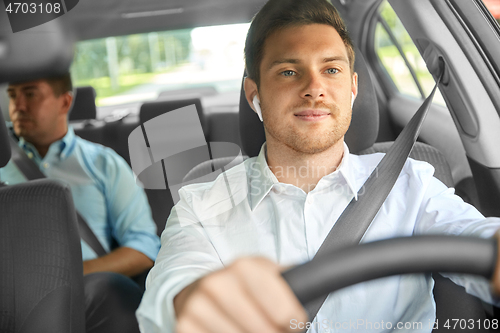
(91, 19)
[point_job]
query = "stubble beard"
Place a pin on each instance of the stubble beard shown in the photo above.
(309, 143)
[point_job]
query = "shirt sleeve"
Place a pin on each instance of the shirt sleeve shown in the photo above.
(186, 255)
(128, 209)
(443, 212)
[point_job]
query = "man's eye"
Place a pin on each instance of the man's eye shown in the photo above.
(288, 73)
(332, 70)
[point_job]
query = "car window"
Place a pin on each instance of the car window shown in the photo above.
(400, 57)
(140, 67)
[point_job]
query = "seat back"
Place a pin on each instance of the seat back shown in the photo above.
(160, 200)
(41, 284)
(83, 107)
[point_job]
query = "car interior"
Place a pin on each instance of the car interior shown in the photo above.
(459, 137)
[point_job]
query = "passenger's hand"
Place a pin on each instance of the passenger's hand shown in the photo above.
(495, 280)
(248, 296)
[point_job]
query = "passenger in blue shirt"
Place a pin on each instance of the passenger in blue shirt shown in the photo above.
(104, 192)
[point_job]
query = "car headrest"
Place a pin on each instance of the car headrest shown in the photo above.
(150, 110)
(83, 104)
(4, 144)
(362, 132)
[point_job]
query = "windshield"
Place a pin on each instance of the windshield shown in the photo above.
(141, 67)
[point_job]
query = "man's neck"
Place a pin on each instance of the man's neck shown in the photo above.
(42, 147)
(300, 169)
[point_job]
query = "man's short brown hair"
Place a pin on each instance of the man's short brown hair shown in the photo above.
(279, 14)
(60, 84)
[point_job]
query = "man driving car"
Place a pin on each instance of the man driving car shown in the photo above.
(226, 242)
(104, 193)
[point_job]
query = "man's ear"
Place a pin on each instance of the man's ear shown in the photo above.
(66, 102)
(354, 84)
(251, 91)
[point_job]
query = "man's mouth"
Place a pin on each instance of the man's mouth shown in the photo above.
(312, 115)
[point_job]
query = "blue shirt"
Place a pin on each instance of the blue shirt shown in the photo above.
(103, 188)
(246, 211)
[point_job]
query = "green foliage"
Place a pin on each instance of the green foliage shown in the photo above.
(138, 56)
(392, 59)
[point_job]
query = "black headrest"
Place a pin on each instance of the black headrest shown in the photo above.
(150, 110)
(83, 104)
(4, 143)
(364, 124)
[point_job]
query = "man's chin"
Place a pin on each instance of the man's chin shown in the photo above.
(21, 131)
(312, 147)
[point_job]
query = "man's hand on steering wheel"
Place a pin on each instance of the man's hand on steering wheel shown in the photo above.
(248, 296)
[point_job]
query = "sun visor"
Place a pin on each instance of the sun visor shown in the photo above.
(42, 51)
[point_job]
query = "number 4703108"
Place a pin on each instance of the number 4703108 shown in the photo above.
(453, 324)
(33, 8)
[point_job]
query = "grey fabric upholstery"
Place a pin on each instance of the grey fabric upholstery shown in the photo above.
(364, 124)
(83, 104)
(41, 280)
(422, 152)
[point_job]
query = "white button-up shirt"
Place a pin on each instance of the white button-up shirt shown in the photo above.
(248, 212)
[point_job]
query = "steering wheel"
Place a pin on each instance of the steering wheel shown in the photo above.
(404, 255)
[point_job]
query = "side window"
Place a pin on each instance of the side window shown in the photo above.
(400, 57)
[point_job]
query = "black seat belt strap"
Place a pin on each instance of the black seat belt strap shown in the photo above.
(31, 171)
(358, 215)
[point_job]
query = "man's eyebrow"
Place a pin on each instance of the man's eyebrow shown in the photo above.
(283, 61)
(30, 87)
(336, 58)
(297, 61)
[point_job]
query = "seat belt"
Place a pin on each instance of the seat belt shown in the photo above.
(358, 215)
(31, 171)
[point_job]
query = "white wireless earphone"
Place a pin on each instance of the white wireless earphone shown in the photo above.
(352, 100)
(256, 104)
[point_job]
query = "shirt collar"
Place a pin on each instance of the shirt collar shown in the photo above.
(262, 179)
(61, 148)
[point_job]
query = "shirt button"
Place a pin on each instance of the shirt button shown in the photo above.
(45, 165)
(30, 155)
(310, 200)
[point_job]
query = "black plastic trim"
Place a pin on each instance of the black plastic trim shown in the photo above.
(487, 182)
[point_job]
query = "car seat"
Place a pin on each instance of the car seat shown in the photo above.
(83, 107)
(160, 200)
(41, 280)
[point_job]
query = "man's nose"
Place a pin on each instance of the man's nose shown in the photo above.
(313, 86)
(19, 103)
